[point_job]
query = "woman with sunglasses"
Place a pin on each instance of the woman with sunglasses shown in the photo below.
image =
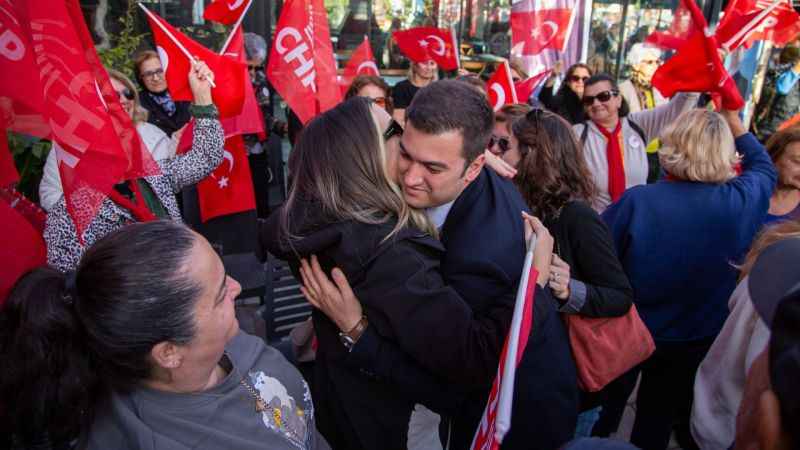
(567, 101)
(164, 112)
(373, 87)
(146, 198)
(615, 142)
(160, 146)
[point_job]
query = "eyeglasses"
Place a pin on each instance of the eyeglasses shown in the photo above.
(394, 129)
(576, 78)
(588, 100)
(502, 143)
(125, 93)
(150, 74)
(380, 101)
(253, 68)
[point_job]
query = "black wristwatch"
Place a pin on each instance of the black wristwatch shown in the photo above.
(350, 338)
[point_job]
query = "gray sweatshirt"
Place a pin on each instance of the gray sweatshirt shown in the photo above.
(223, 417)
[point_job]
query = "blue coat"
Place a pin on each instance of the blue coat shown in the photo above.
(677, 241)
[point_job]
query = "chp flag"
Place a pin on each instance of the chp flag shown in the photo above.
(362, 62)
(746, 21)
(68, 99)
(301, 65)
(428, 43)
(176, 52)
(496, 420)
(500, 87)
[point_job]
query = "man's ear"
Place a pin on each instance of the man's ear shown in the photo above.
(771, 435)
(474, 169)
(167, 355)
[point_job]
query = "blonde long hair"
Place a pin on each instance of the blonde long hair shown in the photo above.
(139, 113)
(340, 164)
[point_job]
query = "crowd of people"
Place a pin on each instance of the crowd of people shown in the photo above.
(666, 241)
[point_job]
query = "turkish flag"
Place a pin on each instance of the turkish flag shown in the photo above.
(500, 87)
(228, 94)
(496, 419)
(229, 188)
(362, 62)
(534, 31)
(526, 88)
(678, 31)
(427, 43)
(746, 21)
(68, 88)
(301, 65)
(696, 67)
(226, 12)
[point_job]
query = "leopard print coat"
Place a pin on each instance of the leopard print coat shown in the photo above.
(64, 250)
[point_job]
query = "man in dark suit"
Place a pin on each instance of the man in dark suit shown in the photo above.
(448, 126)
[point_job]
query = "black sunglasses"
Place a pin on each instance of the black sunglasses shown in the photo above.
(394, 129)
(502, 142)
(127, 93)
(604, 96)
(576, 78)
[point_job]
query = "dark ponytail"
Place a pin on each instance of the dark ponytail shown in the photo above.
(61, 346)
(46, 381)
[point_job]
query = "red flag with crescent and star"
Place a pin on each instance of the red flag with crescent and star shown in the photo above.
(500, 87)
(229, 188)
(427, 43)
(362, 62)
(537, 30)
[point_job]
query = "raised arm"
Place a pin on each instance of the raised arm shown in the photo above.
(207, 139)
(654, 120)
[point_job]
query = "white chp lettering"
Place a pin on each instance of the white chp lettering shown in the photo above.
(11, 46)
(305, 71)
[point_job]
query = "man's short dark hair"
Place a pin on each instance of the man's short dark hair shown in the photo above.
(448, 105)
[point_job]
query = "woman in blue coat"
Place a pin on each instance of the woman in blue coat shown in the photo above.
(677, 240)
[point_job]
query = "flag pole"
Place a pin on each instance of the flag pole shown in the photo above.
(235, 26)
(456, 47)
(750, 27)
(511, 82)
(172, 38)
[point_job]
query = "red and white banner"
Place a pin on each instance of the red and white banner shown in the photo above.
(573, 49)
(362, 62)
(301, 65)
(175, 50)
(500, 87)
(428, 43)
(46, 46)
(229, 188)
(697, 67)
(534, 31)
(227, 12)
(526, 88)
(746, 21)
(496, 420)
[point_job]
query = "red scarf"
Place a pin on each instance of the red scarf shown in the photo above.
(616, 169)
(139, 209)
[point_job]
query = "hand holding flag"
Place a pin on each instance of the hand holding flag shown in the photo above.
(496, 419)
